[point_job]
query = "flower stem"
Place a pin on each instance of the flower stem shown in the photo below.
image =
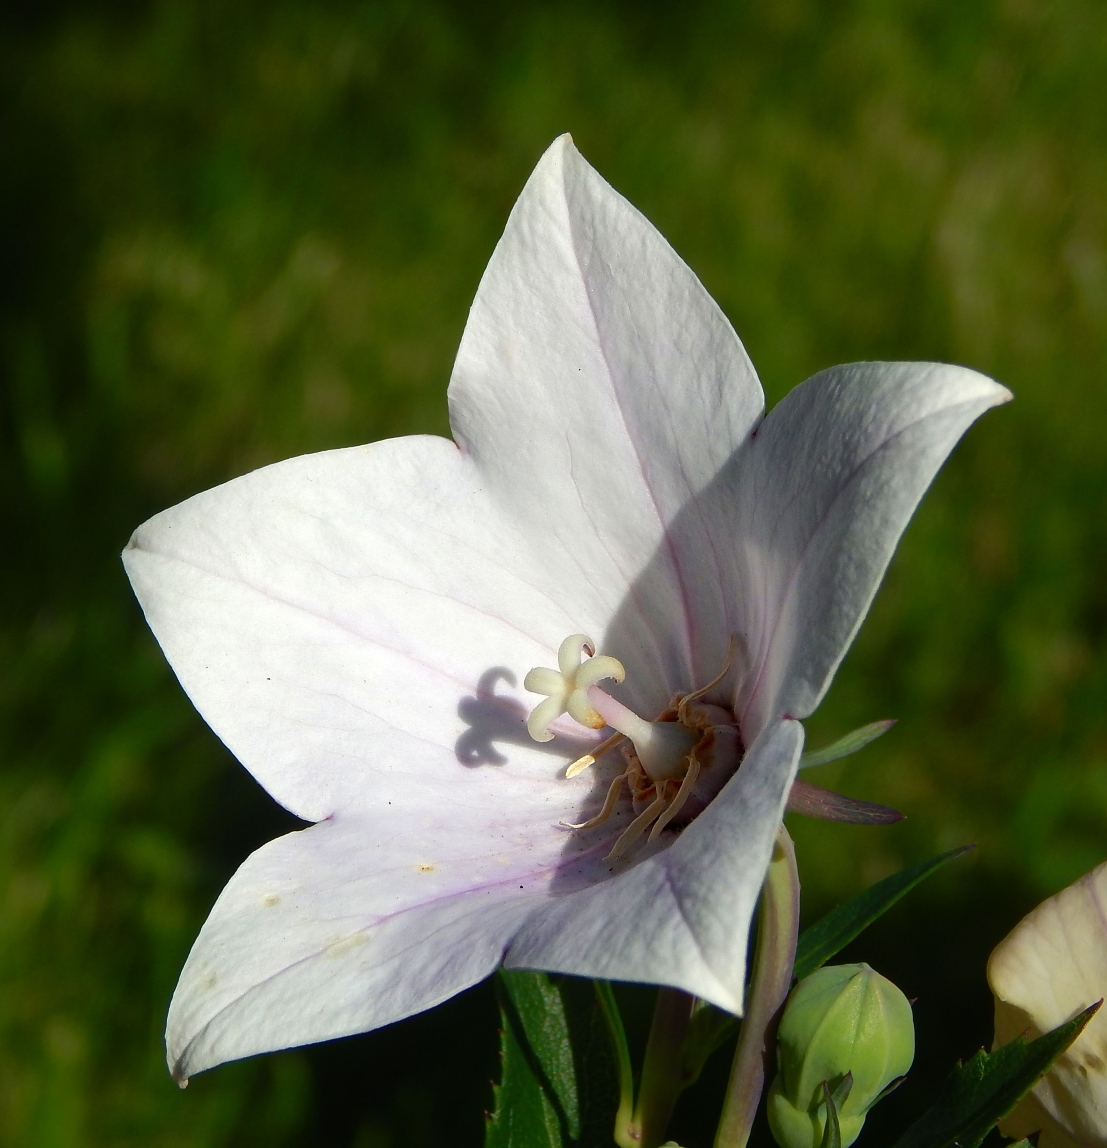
(610, 1011)
(774, 956)
(662, 1077)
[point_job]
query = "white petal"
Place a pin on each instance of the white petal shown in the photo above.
(356, 922)
(820, 497)
(599, 387)
(1051, 966)
(355, 623)
(681, 917)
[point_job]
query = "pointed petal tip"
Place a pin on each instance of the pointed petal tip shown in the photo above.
(177, 1072)
(996, 393)
(561, 150)
(132, 544)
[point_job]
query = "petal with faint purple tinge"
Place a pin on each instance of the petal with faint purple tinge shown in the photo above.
(330, 615)
(599, 388)
(817, 504)
(681, 917)
(356, 626)
(372, 916)
(349, 925)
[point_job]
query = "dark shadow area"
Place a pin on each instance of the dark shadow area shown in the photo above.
(495, 718)
(423, 1083)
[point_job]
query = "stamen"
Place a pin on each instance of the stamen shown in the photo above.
(665, 754)
(590, 759)
(661, 746)
(636, 828)
(606, 810)
(580, 765)
(695, 695)
(675, 806)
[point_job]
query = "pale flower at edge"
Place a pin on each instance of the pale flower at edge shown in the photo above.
(337, 620)
(1051, 966)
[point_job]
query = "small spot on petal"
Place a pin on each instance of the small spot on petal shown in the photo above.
(343, 946)
(209, 981)
(426, 868)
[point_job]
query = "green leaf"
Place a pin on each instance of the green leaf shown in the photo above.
(977, 1094)
(561, 1074)
(710, 1027)
(844, 746)
(534, 1092)
(829, 935)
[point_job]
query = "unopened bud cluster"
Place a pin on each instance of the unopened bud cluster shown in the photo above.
(841, 1019)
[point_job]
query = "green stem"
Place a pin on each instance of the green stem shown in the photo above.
(774, 956)
(662, 1077)
(610, 1009)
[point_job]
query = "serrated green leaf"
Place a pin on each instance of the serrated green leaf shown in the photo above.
(530, 1100)
(829, 935)
(978, 1094)
(560, 1079)
(844, 746)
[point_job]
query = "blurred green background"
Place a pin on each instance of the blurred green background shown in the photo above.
(233, 232)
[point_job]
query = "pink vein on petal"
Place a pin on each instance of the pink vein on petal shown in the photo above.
(445, 898)
(669, 547)
(369, 639)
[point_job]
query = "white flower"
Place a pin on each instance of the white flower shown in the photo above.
(1051, 966)
(354, 625)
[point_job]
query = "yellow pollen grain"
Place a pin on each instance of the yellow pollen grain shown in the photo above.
(271, 899)
(426, 868)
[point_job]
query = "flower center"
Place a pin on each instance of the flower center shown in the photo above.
(675, 764)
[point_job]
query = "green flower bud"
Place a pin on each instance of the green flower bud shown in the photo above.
(841, 1019)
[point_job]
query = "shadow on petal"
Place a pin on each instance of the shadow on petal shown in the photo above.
(494, 718)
